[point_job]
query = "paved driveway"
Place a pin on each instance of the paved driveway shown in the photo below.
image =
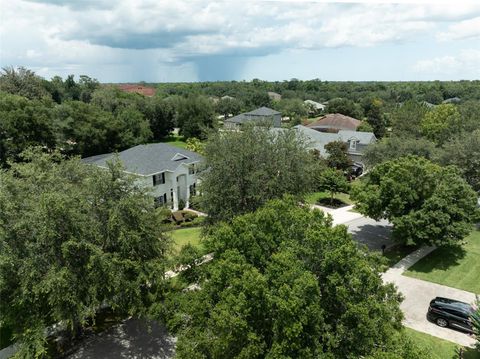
(417, 296)
(373, 234)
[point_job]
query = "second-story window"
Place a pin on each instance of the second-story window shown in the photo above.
(353, 144)
(191, 170)
(159, 178)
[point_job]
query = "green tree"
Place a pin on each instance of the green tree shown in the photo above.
(247, 168)
(161, 116)
(373, 109)
(286, 284)
(73, 238)
(195, 117)
(24, 123)
(195, 145)
(463, 151)
(440, 123)
(427, 204)
(395, 147)
(228, 106)
(365, 127)
(22, 82)
(295, 109)
(133, 128)
(345, 107)
(85, 129)
(333, 181)
(407, 118)
(337, 156)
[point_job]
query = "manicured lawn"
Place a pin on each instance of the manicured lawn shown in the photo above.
(458, 268)
(184, 236)
(175, 140)
(314, 197)
(442, 349)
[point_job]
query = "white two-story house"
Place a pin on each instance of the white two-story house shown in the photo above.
(169, 172)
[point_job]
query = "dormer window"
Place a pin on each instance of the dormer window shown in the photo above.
(179, 157)
(353, 144)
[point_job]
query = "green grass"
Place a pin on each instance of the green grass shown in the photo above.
(175, 140)
(453, 267)
(442, 349)
(314, 197)
(184, 236)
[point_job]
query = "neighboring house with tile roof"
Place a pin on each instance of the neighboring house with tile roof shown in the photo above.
(334, 122)
(356, 142)
(142, 90)
(169, 172)
(262, 115)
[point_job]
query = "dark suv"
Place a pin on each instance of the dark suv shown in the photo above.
(451, 313)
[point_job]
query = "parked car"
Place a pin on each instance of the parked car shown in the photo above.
(451, 313)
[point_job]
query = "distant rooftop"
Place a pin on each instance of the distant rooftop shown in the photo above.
(142, 90)
(336, 121)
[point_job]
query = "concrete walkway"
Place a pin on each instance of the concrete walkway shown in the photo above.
(419, 293)
(340, 215)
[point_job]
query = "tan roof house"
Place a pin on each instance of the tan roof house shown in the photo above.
(335, 122)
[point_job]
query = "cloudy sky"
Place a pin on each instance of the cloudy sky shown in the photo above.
(192, 40)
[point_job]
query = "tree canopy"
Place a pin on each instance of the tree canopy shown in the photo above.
(245, 169)
(195, 116)
(439, 123)
(426, 203)
(286, 284)
(73, 238)
(337, 156)
(24, 123)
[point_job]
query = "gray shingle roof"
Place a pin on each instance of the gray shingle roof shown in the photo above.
(318, 140)
(255, 115)
(148, 159)
(238, 119)
(364, 138)
(263, 111)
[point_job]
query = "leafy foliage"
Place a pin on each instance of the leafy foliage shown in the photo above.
(285, 283)
(22, 82)
(248, 168)
(73, 238)
(345, 107)
(195, 116)
(439, 123)
(426, 203)
(23, 123)
(337, 156)
(333, 181)
(463, 151)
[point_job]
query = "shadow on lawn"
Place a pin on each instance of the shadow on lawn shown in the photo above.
(441, 259)
(466, 353)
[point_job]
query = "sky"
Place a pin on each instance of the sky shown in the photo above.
(201, 40)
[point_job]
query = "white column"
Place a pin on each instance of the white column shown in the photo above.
(187, 201)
